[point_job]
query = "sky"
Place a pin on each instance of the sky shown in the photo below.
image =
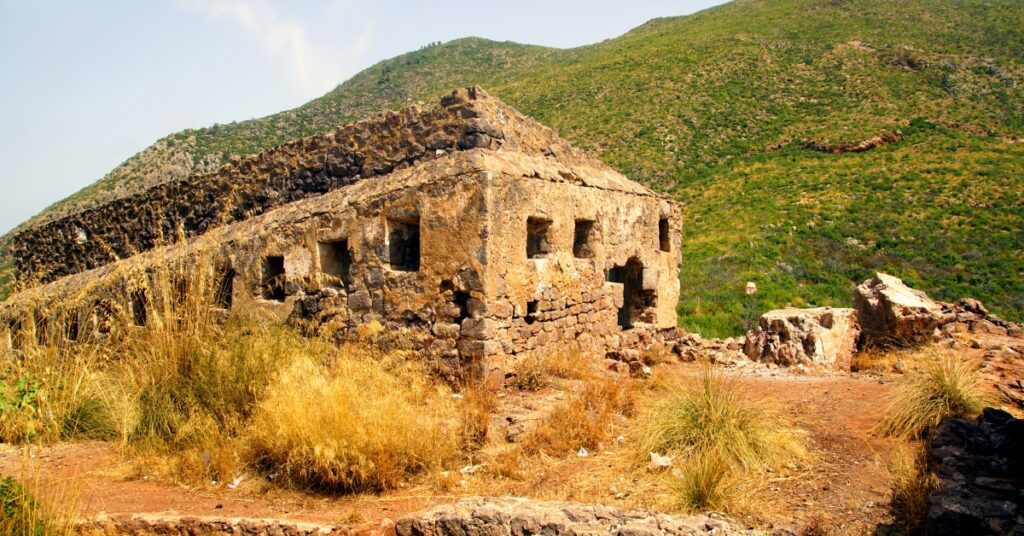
(85, 85)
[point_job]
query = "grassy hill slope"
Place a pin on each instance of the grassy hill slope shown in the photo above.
(730, 110)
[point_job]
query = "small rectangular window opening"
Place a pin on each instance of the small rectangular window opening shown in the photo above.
(531, 311)
(404, 245)
(663, 235)
(273, 278)
(582, 244)
(335, 263)
(537, 243)
(139, 303)
(225, 288)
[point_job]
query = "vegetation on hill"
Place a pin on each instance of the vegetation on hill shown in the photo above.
(741, 111)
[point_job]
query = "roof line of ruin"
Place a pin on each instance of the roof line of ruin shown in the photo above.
(464, 119)
(451, 167)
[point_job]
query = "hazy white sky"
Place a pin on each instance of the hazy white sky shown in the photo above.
(85, 85)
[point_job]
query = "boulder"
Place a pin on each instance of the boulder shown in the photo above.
(980, 467)
(819, 336)
(893, 314)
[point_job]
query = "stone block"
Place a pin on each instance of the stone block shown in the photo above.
(820, 336)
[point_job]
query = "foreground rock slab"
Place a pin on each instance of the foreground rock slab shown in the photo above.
(980, 466)
(514, 516)
(820, 336)
(893, 314)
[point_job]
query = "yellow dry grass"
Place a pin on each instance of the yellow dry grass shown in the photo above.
(948, 385)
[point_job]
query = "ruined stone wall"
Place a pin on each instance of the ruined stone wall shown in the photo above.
(443, 198)
(309, 167)
(473, 296)
(561, 299)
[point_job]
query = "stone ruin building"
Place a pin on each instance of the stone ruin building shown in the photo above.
(469, 231)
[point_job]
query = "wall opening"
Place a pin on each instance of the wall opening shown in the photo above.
(404, 245)
(104, 316)
(458, 298)
(582, 244)
(225, 288)
(461, 300)
(531, 311)
(537, 243)
(16, 329)
(335, 263)
(72, 327)
(140, 315)
(664, 239)
(273, 278)
(637, 303)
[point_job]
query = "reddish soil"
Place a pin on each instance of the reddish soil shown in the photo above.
(842, 484)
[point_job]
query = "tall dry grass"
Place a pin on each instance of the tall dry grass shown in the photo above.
(354, 425)
(31, 507)
(210, 396)
(912, 484)
(946, 385)
(718, 436)
(583, 420)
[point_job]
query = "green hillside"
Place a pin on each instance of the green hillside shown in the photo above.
(732, 111)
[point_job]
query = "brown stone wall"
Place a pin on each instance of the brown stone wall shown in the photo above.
(473, 297)
(309, 167)
(562, 300)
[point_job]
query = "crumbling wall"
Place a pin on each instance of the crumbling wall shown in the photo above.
(473, 295)
(309, 167)
(570, 297)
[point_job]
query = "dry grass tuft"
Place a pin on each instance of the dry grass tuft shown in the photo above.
(713, 415)
(584, 420)
(912, 483)
(531, 374)
(354, 425)
(721, 439)
(475, 413)
(946, 386)
(508, 463)
(568, 364)
(30, 507)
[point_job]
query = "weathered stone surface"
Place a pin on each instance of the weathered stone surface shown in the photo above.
(143, 525)
(820, 336)
(434, 252)
(514, 516)
(980, 466)
(465, 120)
(893, 314)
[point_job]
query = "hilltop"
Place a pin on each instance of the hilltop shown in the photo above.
(812, 141)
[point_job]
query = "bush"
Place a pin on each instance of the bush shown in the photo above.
(714, 416)
(946, 386)
(720, 439)
(354, 425)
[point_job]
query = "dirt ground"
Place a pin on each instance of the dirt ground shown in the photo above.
(842, 487)
(842, 484)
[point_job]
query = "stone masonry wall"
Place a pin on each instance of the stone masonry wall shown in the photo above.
(309, 167)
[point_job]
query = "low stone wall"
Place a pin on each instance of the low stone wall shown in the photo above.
(514, 516)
